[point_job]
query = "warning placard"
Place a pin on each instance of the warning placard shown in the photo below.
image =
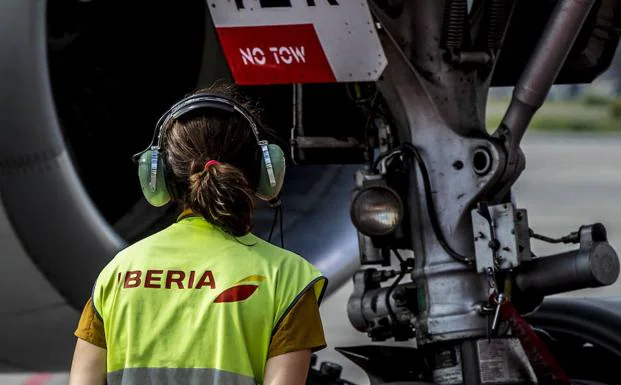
(298, 41)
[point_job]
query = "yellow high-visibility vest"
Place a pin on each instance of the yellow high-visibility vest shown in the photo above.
(192, 304)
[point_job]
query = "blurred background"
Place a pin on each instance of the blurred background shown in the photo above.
(572, 177)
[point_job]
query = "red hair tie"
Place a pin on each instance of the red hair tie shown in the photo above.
(211, 163)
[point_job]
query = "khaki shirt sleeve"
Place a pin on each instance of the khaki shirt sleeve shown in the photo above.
(90, 327)
(300, 329)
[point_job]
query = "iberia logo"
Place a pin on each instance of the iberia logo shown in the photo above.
(241, 291)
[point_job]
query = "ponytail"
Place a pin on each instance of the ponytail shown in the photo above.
(222, 195)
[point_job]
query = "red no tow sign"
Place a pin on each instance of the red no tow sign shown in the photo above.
(298, 41)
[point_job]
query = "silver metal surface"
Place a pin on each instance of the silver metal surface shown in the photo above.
(435, 112)
(545, 64)
(484, 254)
(522, 230)
(384, 136)
(506, 231)
(504, 361)
(297, 128)
(298, 109)
(377, 310)
(592, 266)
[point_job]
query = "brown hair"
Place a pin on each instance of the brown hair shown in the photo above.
(222, 193)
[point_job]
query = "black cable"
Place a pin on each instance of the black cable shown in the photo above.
(278, 217)
(392, 287)
(431, 210)
(403, 271)
(398, 256)
(569, 238)
(269, 238)
(544, 238)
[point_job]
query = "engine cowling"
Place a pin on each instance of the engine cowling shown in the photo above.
(85, 83)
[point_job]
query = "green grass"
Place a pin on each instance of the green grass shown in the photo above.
(562, 116)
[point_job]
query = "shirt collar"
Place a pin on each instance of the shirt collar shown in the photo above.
(188, 213)
(185, 214)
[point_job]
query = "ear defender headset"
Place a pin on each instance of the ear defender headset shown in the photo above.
(157, 185)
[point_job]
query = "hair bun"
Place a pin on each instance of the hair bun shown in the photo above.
(222, 195)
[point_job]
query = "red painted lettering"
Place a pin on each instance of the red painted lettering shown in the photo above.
(191, 283)
(206, 280)
(132, 279)
(150, 280)
(159, 279)
(170, 278)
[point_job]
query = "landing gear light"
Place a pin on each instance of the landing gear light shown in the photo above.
(377, 211)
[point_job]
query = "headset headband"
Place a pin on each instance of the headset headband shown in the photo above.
(190, 103)
(205, 100)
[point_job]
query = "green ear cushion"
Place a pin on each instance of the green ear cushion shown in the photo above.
(160, 196)
(265, 191)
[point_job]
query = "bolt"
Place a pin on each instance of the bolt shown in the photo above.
(494, 244)
(331, 370)
(482, 161)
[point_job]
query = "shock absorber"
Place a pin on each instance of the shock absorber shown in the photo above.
(454, 26)
(497, 20)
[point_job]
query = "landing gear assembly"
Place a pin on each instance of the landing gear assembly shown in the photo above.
(442, 194)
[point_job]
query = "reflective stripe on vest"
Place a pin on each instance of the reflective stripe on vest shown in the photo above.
(174, 376)
(192, 296)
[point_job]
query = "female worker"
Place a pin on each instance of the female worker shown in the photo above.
(204, 301)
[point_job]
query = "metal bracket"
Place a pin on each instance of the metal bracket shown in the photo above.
(306, 148)
(501, 238)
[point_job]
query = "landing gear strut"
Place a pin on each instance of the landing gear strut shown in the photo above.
(473, 274)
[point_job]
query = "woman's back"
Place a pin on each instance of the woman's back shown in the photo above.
(204, 301)
(194, 303)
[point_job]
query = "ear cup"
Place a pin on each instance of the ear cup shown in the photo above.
(157, 195)
(265, 191)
